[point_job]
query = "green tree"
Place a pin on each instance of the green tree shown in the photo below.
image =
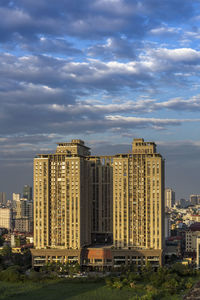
(159, 277)
(11, 274)
(6, 251)
(189, 283)
(1, 240)
(181, 269)
(117, 284)
(132, 276)
(17, 242)
(147, 271)
(76, 268)
(171, 286)
(27, 258)
(109, 281)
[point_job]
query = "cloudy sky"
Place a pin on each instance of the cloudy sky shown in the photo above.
(105, 71)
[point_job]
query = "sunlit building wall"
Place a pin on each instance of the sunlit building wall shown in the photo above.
(138, 197)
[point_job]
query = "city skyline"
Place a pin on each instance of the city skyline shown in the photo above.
(175, 183)
(102, 71)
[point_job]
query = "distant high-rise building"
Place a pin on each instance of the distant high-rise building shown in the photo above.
(80, 200)
(24, 208)
(23, 215)
(3, 198)
(23, 225)
(16, 196)
(183, 203)
(195, 199)
(27, 192)
(169, 198)
(6, 218)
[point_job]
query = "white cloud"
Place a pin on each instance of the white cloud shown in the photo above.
(191, 104)
(163, 30)
(118, 119)
(130, 106)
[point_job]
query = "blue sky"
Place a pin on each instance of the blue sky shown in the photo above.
(104, 71)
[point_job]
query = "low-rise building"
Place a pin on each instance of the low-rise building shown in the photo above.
(191, 237)
(195, 218)
(106, 257)
(23, 225)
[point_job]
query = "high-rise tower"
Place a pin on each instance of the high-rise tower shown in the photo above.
(61, 197)
(27, 192)
(3, 198)
(138, 197)
(169, 198)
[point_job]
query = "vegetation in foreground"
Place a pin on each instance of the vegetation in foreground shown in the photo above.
(165, 283)
(18, 280)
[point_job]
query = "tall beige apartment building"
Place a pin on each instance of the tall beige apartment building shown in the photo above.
(81, 200)
(61, 197)
(138, 199)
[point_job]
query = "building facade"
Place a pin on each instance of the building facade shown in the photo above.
(3, 200)
(191, 236)
(138, 185)
(195, 199)
(23, 225)
(23, 215)
(27, 192)
(169, 198)
(23, 208)
(198, 252)
(62, 211)
(101, 195)
(83, 201)
(167, 225)
(6, 218)
(16, 196)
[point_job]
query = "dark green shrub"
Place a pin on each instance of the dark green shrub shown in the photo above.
(133, 276)
(6, 251)
(189, 283)
(109, 281)
(171, 286)
(35, 276)
(118, 284)
(11, 274)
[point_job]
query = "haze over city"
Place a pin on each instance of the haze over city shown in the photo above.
(102, 71)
